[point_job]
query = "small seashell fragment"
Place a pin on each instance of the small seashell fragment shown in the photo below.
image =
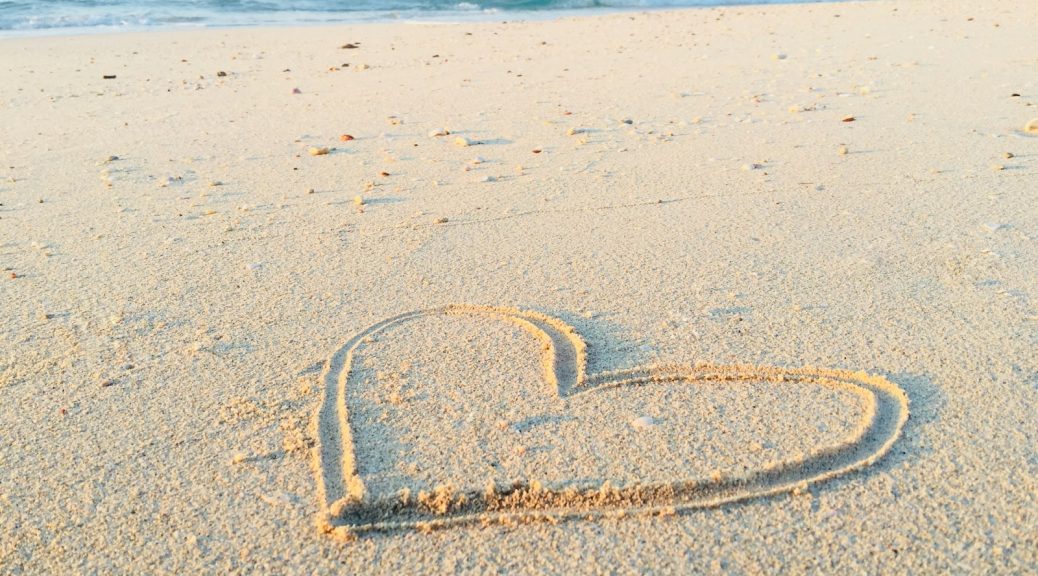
(643, 422)
(1031, 127)
(358, 200)
(573, 131)
(848, 119)
(998, 167)
(440, 132)
(1008, 155)
(462, 141)
(319, 151)
(842, 150)
(345, 138)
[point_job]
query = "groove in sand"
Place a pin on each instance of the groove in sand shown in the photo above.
(345, 509)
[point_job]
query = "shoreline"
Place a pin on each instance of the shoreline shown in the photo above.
(457, 16)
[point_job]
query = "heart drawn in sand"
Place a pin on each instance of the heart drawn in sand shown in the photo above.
(347, 509)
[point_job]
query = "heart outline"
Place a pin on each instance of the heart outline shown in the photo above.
(345, 511)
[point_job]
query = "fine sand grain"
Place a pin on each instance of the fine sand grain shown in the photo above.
(190, 245)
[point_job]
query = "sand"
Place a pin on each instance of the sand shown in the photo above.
(813, 188)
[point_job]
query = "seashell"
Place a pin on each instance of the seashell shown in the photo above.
(643, 422)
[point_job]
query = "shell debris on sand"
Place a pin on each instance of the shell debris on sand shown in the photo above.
(1031, 127)
(319, 151)
(439, 132)
(644, 422)
(463, 142)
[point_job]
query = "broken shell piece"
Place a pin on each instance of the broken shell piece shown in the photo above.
(440, 132)
(319, 151)
(643, 422)
(462, 141)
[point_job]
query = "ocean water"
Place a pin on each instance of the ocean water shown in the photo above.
(84, 15)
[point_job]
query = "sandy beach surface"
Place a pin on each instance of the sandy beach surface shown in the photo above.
(197, 227)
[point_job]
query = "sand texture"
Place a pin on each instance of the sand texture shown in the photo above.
(739, 290)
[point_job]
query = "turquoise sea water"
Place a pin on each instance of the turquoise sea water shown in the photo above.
(66, 15)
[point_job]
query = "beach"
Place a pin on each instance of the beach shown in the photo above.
(775, 266)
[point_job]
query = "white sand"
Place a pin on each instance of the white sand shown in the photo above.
(163, 340)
